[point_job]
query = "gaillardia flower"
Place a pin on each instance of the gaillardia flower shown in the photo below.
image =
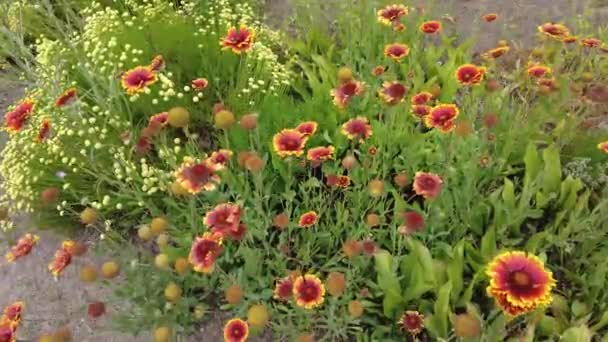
(346, 91)
(61, 259)
(236, 330)
(224, 218)
(199, 83)
(555, 31)
(569, 39)
(378, 70)
(138, 79)
(430, 27)
(538, 71)
(289, 142)
(421, 111)
(204, 251)
(13, 312)
(412, 222)
(320, 153)
(221, 157)
(469, 74)
(427, 185)
(307, 128)
(357, 129)
(8, 331)
(196, 177)
(44, 131)
(308, 219)
(603, 146)
(308, 291)
(239, 40)
(496, 52)
(22, 248)
(16, 118)
(547, 83)
(442, 117)
(412, 322)
(392, 92)
(157, 63)
(490, 17)
(591, 42)
(421, 98)
(396, 51)
(283, 289)
(519, 282)
(66, 98)
(158, 121)
(391, 14)
(343, 182)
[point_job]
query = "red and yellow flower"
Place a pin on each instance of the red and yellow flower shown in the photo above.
(343, 182)
(283, 289)
(157, 63)
(8, 331)
(412, 322)
(320, 153)
(44, 131)
(138, 79)
(24, 246)
(490, 17)
(469, 74)
(66, 98)
(603, 146)
(443, 117)
(553, 30)
(13, 312)
(199, 84)
(158, 121)
(421, 98)
(236, 330)
(198, 176)
(413, 222)
(307, 128)
(430, 27)
(569, 39)
(308, 219)
(357, 129)
(421, 111)
(496, 52)
(221, 157)
(204, 251)
(346, 91)
(378, 70)
(289, 142)
(62, 258)
(239, 40)
(547, 83)
(392, 92)
(308, 291)
(538, 70)
(427, 185)
(224, 219)
(16, 118)
(396, 51)
(391, 14)
(591, 42)
(519, 282)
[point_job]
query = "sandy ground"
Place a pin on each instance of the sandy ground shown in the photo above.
(55, 304)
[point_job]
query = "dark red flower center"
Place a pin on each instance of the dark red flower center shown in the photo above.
(428, 183)
(396, 91)
(237, 331)
(285, 288)
(6, 334)
(199, 173)
(205, 250)
(309, 291)
(396, 50)
(139, 77)
(239, 36)
(392, 14)
(290, 143)
(349, 89)
(357, 127)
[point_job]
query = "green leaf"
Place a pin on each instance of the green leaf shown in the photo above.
(508, 193)
(439, 322)
(456, 269)
(552, 173)
(532, 162)
(577, 334)
(388, 282)
(488, 244)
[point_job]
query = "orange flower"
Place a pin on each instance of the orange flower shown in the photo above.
(204, 251)
(44, 131)
(396, 51)
(519, 282)
(548, 83)
(357, 128)
(289, 142)
(391, 14)
(442, 117)
(138, 79)
(307, 128)
(16, 118)
(199, 83)
(240, 40)
(538, 71)
(412, 322)
(66, 98)
(13, 312)
(224, 219)
(346, 91)
(469, 74)
(343, 182)
(555, 31)
(591, 42)
(22, 248)
(427, 185)
(378, 70)
(496, 52)
(308, 291)
(392, 92)
(490, 17)
(158, 121)
(320, 153)
(196, 177)
(430, 27)
(283, 288)
(603, 146)
(221, 157)
(62, 258)
(421, 98)
(308, 219)
(569, 39)
(236, 330)
(157, 63)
